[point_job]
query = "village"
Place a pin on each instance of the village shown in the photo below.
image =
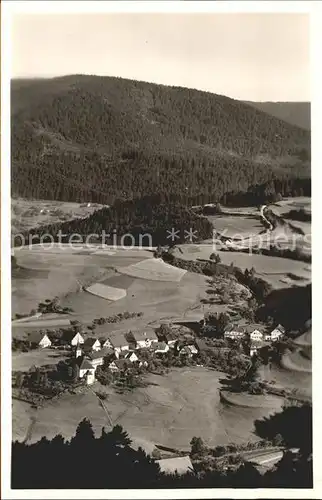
(123, 351)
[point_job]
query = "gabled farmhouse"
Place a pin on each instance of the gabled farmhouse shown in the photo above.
(142, 339)
(256, 335)
(131, 356)
(72, 338)
(277, 333)
(160, 347)
(234, 332)
(105, 342)
(38, 339)
(119, 364)
(120, 344)
(188, 350)
(168, 336)
(86, 370)
(92, 344)
(78, 351)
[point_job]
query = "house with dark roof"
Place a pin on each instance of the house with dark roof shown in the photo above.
(119, 364)
(105, 342)
(39, 339)
(92, 344)
(96, 358)
(160, 347)
(71, 338)
(277, 333)
(141, 339)
(189, 350)
(169, 336)
(86, 369)
(131, 356)
(119, 343)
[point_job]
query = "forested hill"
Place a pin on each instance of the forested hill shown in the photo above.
(296, 113)
(88, 138)
(145, 216)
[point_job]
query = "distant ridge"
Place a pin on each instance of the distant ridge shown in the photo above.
(295, 113)
(90, 138)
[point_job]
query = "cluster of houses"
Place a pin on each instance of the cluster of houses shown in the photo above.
(257, 337)
(119, 351)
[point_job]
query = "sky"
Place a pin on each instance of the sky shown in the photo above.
(259, 57)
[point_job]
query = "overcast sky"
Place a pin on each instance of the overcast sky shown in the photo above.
(246, 56)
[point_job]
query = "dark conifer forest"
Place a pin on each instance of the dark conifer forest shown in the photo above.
(101, 139)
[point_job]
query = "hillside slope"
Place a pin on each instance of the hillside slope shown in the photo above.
(99, 139)
(144, 216)
(295, 113)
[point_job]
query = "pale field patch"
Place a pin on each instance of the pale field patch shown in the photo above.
(236, 226)
(154, 269)
(106, 292)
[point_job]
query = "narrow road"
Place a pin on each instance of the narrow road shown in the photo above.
(263, 216)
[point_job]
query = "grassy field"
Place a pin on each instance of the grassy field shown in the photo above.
(236, 226)
(26, 214)
(50, 272)
(284, 206)
(178, 406)
(277, 271)
(37, 357)
(300, 382)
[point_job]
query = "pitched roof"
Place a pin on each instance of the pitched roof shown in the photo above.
(280, 328)
(68, 335)
(36, 337)
(234, 328)
(144, 335)
(128, 353)
(106, 351)
(119, 340)
(181, 465)
(160, 345)
(121, 363)
(89, 342)
(103, 340)
(86, 365)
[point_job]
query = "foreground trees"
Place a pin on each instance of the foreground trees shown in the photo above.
(105, 461)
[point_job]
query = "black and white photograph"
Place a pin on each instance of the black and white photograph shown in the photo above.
(159, 211)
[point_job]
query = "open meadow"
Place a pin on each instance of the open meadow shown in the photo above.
(169, 412)
(27, 214)
(277, 271)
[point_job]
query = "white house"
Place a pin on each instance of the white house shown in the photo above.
(234, 332)
(256, 335)
(189, 350)
(91, 344)
(106, 343)
(73, 338)
(160, 348)
(277, 333)
(87, 370)
(131, 356)
(142, 339)
(120, 344)
(78, 351)
(38, 339)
